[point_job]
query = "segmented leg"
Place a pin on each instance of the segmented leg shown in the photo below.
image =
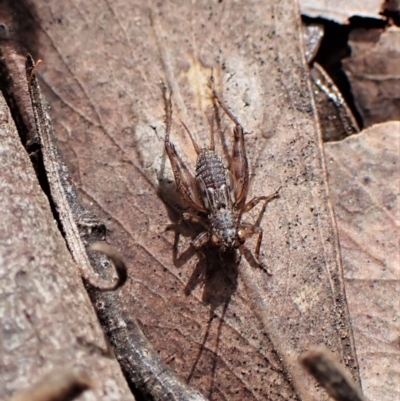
(194, 219)
(247, 230)
(201, 240)
(255, 201)
(204, 236)
(183, 178)
(238, 164)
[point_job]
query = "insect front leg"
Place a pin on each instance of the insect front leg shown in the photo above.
(197, 243)
(194, 219)
(203, 237)
(188, 217)
(247, 230)
(201, 240)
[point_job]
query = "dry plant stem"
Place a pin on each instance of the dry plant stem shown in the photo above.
(58, 385)
(141, 364)
(331, 375)
(53, 165)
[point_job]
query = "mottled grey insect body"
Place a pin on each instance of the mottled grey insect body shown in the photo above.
(218, 193)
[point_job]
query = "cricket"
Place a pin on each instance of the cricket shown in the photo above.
(217, 193)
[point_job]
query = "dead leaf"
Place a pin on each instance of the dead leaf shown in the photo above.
(335, 117)
(391, 10)
(374, 73)
(238, 333)
(364, 183)
(47, 320)
(312, 37)
(341, 11)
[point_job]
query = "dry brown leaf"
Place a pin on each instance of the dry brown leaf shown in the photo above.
(335, 117)
(364, 181)
(341, 11)
(374, 72)
(47, 320)
(102, 66)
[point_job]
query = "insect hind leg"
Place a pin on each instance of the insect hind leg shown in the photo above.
(183, 178)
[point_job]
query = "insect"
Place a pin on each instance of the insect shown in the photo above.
(218, 193)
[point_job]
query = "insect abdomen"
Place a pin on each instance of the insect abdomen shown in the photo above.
(213, 183)
(210, 169)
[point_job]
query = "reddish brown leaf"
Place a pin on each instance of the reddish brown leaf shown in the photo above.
(364, 181)
(374, 72)
(236, 333)
(341, 11)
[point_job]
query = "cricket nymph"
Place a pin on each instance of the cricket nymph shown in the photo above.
(218, 193)
(218, 197)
